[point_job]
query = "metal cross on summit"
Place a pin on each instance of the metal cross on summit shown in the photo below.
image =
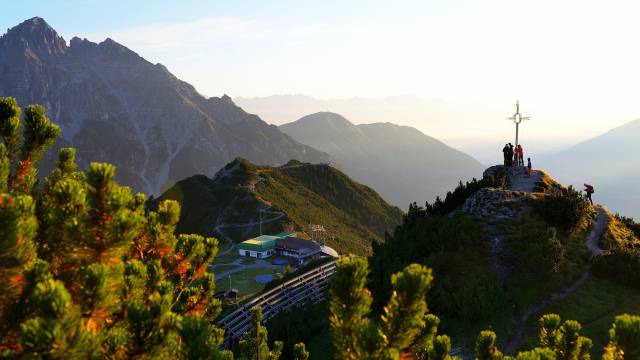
(517, 118)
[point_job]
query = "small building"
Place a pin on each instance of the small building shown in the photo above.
(232, 294)
(260, 247)
(285, 244)
(300, 249)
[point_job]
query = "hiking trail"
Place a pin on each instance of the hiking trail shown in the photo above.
(600, 224)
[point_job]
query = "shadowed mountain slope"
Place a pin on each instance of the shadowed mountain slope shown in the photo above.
(242, 195)
(117, 107)
(399, 162)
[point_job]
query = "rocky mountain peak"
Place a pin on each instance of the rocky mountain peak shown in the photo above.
(227, 99)
(115, 106)
(76, 41)
(509, 202)
(33, 39)
(114, 50)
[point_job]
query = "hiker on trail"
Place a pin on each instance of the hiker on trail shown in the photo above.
(589, 190)
(505, 152)
(529, 167)
(520, 154)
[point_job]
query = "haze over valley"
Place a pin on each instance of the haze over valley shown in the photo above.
(318, 180)
(577, 155)
(469, 125)
(399, 162)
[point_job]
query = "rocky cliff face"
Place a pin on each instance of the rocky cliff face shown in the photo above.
(115, 106)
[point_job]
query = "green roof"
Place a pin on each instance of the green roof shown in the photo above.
(285, 234)
(260, 243)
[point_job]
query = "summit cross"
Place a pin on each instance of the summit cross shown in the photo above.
(517, 118)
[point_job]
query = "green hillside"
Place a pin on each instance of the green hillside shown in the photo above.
(503, 257)
(242, 195)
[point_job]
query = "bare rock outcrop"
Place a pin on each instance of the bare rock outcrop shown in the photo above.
(495, 204)
(491, 205)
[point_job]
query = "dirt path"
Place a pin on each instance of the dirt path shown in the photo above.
(231, 243)
(592, 243)
(537, 308)
(600, 225)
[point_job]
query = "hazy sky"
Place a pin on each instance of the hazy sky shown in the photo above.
(573, 64)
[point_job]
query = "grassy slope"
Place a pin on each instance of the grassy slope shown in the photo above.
(602, 297)
(528, 287)
(202, 200)
(244, 281)
(321, 194)
(594, 305)
(522, 289)
(306, 194)
(618, 235)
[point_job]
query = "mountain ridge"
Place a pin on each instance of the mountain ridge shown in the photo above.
(115, 106)
(242, 194)
(400, 162)
(508, 249)
(608, 162)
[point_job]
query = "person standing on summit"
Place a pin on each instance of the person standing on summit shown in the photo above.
(505, 153)
(520, 154)
(511, 154)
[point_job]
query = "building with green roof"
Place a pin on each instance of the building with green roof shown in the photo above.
(259, 247)
(285, 234)
(284, 244)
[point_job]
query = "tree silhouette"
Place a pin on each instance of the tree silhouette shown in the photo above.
(300, 352)
(253, 345)
(625, 339)
(403, 326)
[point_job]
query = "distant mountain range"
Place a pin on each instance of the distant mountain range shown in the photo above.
(117, 107)
(242, 195)
(281, 109)
(399, 162)
(609, 162)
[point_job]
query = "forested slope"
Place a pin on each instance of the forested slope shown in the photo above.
(244, 193)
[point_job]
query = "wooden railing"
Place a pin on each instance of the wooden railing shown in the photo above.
(307, 287)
